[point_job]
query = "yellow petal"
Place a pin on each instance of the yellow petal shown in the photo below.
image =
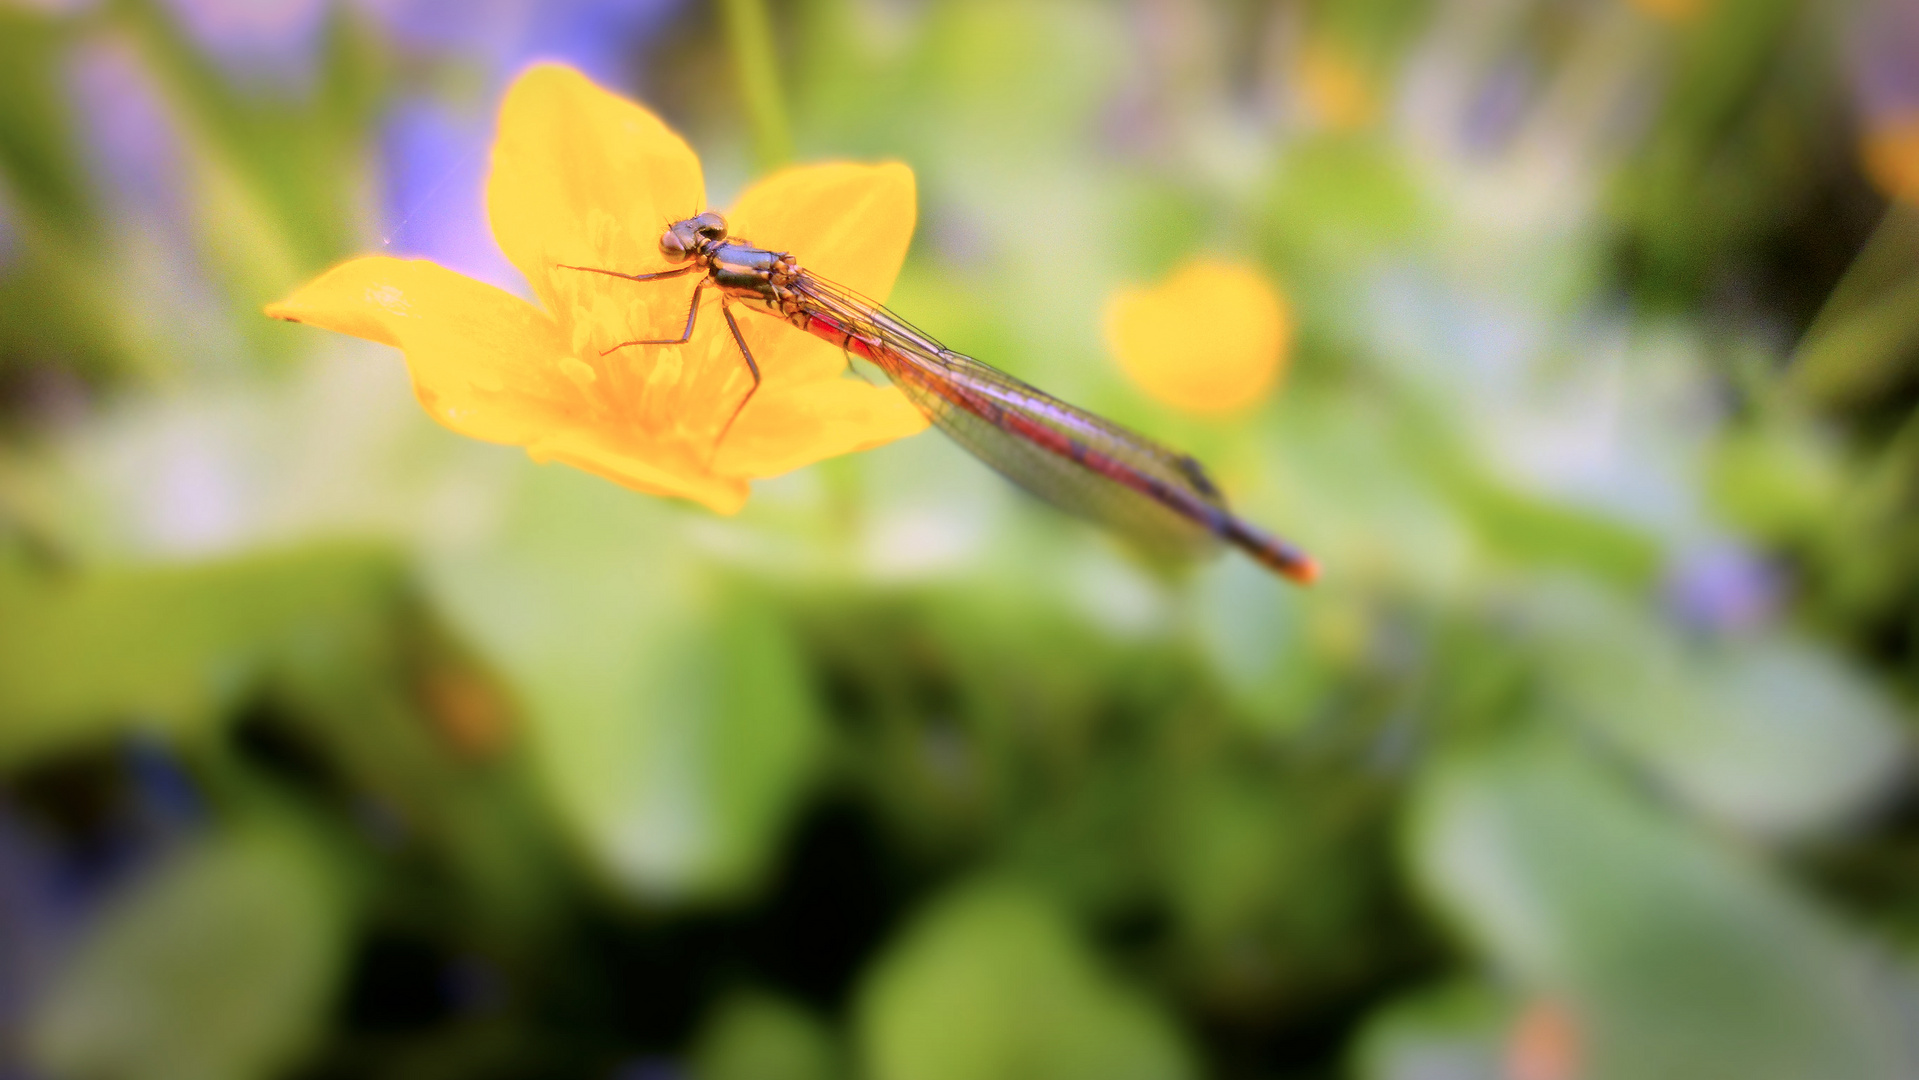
(850, 224)
(584, 177)
(684, 394)
(600, 452)
(1211, 338)
(483, 361)
(815, 421)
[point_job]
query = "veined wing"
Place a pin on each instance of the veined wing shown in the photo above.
(1088, 466)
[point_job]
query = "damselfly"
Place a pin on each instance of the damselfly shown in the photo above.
(1067, 456)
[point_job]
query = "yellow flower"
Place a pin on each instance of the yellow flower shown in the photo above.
(582, 177)
(1890, 149)
(1211, 338)
(1337, 91)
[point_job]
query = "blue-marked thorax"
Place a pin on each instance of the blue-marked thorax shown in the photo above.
(745, 269)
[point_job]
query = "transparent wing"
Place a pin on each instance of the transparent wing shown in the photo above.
(1087, 466)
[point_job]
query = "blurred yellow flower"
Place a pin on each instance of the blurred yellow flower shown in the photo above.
(582, 177)
(1211, 338)
(1891, 153)
(1336, 89)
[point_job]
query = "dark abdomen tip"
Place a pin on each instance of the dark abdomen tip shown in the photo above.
(1273, 553)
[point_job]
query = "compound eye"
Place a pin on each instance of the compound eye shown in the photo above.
(673, 246)
(711, 225)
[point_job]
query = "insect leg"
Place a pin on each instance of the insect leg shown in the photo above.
(692, 313)
(740, 340)
(633, 277)
(846, 351)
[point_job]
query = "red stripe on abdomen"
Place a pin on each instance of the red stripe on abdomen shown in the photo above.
(1269, 551)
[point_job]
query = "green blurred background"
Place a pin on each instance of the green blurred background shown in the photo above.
(333, 745)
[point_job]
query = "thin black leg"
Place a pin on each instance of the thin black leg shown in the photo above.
(740, 340)
(634, 277)
(846, 351)
(852, 370)
(692, 312)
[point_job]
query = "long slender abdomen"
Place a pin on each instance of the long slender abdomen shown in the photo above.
(1267, 550)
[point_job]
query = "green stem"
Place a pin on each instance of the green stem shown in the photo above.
(757, 69)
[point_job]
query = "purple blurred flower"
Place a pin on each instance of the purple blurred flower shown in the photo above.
(35, 924)
(57, 866)
(1724, 589)
(129, 136)
(434, 202)
(261, 43)
(596, 36)
(9, 232)
(436, 156)
(1498, 106)
(1884, 50)
(278, 40)
(434, 151)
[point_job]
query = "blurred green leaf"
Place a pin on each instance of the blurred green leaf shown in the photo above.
(172, 647)
(756, 74)
(1527, 530)
(1378, 29)
(56, 278)
(1857, 357)
(1269, 879)
(1451, 1032)
(297, 158)
(401, 723)
(279, 178)
(1769, 733)
(990, 983)
(960, 705)
(219, 966)
(1369, 494)
(760, 1037)
(1339, 200)
(1725, 51)
(39, 149)
(680, 758)
(1233, 852)
(670, 721)
(1745, 132)
(1676, 956)
(1002, 85)
(1258, 644)
(1868, 549)
(1780, 482)
(1520, 528)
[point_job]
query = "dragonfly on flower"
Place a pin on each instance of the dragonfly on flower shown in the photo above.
(1077, 461)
